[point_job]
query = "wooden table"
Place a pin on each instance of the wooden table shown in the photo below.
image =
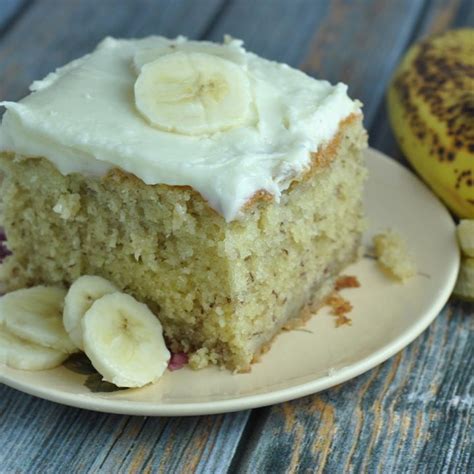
(411, 414)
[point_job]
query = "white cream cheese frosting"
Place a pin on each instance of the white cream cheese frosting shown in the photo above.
(84, 119)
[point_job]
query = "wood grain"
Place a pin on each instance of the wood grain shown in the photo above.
(276, 29)
(367, 42)
(40, 436)
(10, 9)
(411, 414)
(53, 32)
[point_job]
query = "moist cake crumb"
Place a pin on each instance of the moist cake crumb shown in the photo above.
(392, 255)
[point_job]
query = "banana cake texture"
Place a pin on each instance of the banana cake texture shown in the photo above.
(219, 188)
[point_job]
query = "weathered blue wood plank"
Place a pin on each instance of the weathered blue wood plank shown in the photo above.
(40, 436)
(359, 44)
(53, 32)
(276, 29)
(465, 16)
(9, 9)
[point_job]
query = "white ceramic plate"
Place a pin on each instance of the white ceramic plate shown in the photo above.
(386, 317)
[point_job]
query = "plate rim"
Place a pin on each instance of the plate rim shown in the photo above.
(245, 402)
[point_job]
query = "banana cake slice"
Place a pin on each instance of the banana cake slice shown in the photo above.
(222, 189)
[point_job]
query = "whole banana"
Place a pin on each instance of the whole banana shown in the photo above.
(431, 109)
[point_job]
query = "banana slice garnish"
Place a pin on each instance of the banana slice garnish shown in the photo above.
(20, 354)
(124, 341)
(193, 93)
(122, 337)
(80, 297)
(35, 315)
(147, 55)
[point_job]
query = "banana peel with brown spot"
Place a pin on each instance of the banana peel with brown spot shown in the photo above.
(431, 109)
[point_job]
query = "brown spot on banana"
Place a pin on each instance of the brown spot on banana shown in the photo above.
(431, 108)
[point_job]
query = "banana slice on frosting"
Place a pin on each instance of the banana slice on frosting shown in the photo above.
(235, 54)
(193, 93)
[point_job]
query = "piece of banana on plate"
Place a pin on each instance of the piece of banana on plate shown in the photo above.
(124, 341)
(20, 354)
(36, 316)
(32, 336)
(80, 297)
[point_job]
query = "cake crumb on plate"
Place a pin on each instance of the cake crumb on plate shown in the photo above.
(392, 255)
